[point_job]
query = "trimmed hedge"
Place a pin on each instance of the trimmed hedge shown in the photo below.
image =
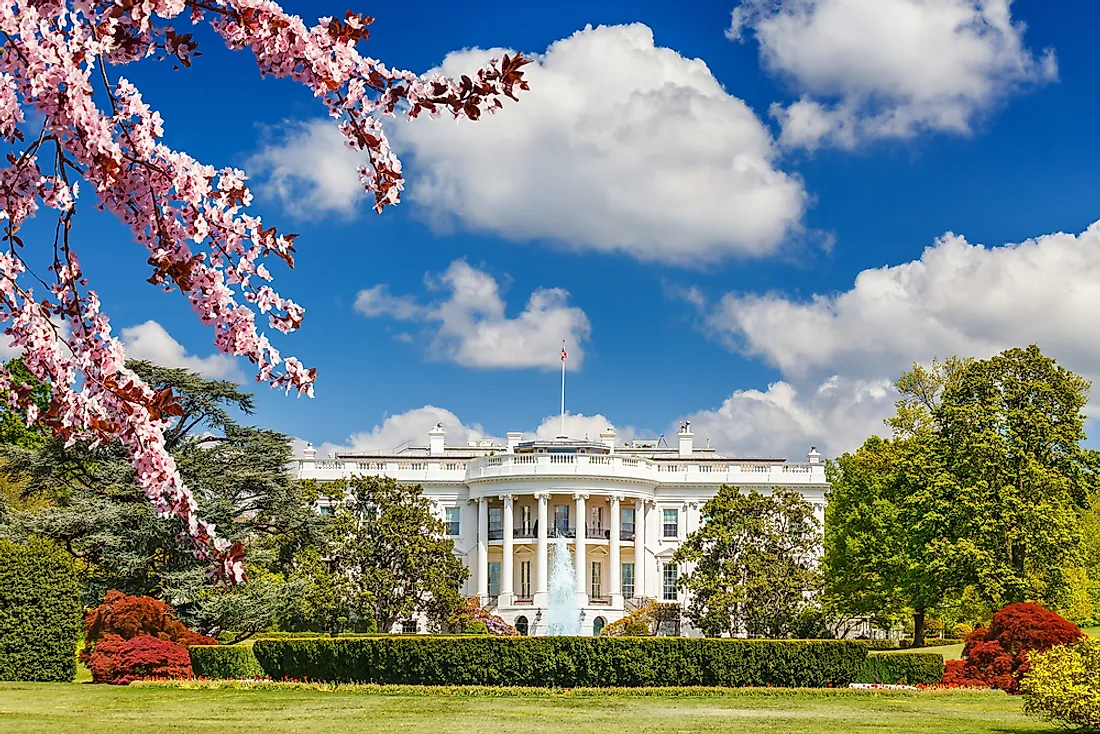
(39, 612)
(907, 642)
(564, 662)
(224, 662)
(902, 667)
(883, 644)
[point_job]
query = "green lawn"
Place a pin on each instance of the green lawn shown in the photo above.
(79, 709)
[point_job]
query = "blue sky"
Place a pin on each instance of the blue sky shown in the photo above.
(701, 201)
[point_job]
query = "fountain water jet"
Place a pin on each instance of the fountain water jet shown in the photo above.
(563, 616)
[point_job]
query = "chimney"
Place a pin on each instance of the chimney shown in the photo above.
(814, 457)
(607, 438)
(435, 440)
(685, 435)
(514, 437)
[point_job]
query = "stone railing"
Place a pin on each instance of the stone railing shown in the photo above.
(432, 470)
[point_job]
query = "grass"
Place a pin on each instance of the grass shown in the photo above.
(72, 709)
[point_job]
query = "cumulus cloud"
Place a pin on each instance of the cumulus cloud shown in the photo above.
(307, 167)
(873, 69)
(621, 146)
(784, 421)
(152, 342)
(470, 326)
(580, 426)
(409, 427)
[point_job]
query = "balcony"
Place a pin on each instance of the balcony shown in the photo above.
(526, 533)
(595, 532)
(562, 532)
(626, 534)
(496, 531)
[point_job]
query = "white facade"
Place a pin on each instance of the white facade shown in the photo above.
(505, 505)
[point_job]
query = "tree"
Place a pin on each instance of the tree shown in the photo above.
(389, 556)
(752, 563)
(92, 504)
(191, 218)
(979, 490)
(1011, 429)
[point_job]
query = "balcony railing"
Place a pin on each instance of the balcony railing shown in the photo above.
(597, 532)
(626, 534)
(530, 532)
(496, 531)
(561, 532)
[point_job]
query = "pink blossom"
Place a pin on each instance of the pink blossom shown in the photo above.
(190, 217)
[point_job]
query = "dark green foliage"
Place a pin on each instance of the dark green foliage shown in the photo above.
(39, 612)
(910, 668)
(224, 662)
(86, 499)
(879, 644)
(564, 662)
(751, 565)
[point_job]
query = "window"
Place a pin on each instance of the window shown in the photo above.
(596, 522)
(597, 626)
(595, 582)
(409, 627)
(628, 520)
(628, 580)
(524, 579)
(453, 520)
(561, 518)
(324, 510)
(494, 578)
(496, 524)
(521, 625)
(526, 523)
(669, 590)
(672, 523)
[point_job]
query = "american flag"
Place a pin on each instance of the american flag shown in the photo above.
(564, 355)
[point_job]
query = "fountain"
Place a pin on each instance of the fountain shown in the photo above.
(563, 616)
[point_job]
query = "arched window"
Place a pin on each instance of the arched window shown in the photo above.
(521, 625)
(598, 625)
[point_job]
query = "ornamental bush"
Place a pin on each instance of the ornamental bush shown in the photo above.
(565, 662)
(149, 657)
(998, 657)
(639, 623)
(910, 668)
(232, 662)
(39, 612)
(1062, 685)
(121, 618)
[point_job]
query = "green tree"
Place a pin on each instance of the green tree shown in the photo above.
(889, 543)
(388, 556)
(1011, 430)
(751, 565)
(88, 502)
(979, 489)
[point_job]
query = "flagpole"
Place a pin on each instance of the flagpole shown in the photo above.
(563, 388)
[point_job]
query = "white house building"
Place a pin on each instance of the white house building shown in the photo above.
(622, 508)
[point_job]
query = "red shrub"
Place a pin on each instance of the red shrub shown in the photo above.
(139, 658)
(120, 619)
(997, 657)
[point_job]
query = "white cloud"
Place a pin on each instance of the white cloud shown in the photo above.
(870, 69)
(409, 427)
(621, 145)
(150, 341)
(784, 422)
(580, 426)
(958, 298)
(470, 325)
(309, 170)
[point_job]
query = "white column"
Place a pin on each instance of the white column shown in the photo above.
(580, 555)
(639, 547)
(616, 563)
(541, 575)
(483, 548)
(652, 528)
(507, 582)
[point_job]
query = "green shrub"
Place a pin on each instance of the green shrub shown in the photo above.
(902, 667)
(1063, 685)
(39, 612)
(907, 643)
(564, 662)
(885, 644)
(224, 662)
